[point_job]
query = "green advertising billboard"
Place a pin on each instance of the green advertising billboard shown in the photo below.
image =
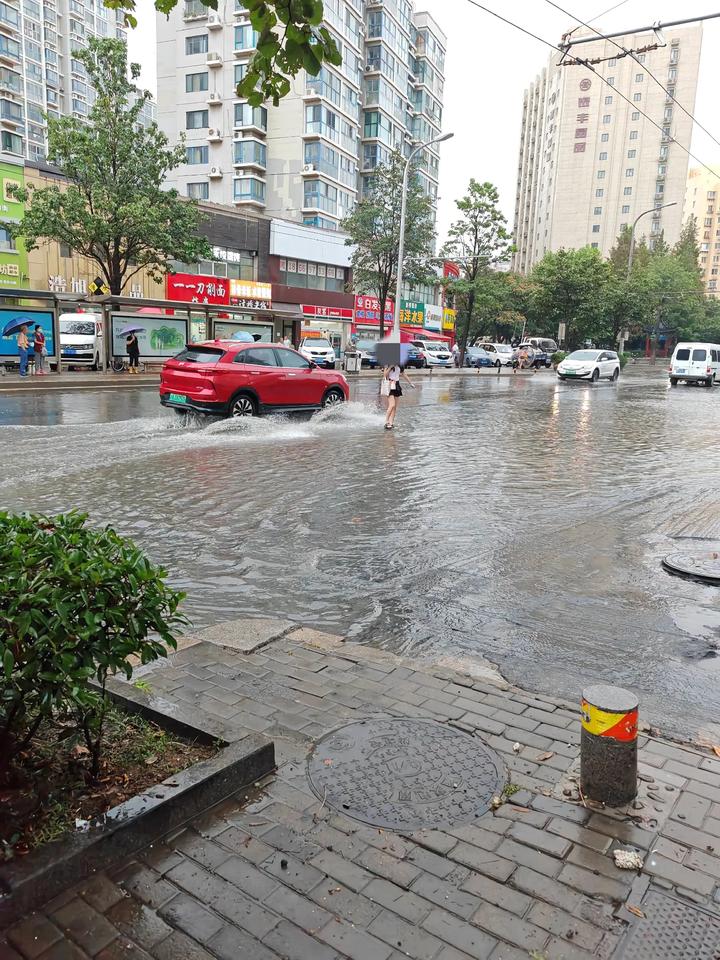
(13, 256)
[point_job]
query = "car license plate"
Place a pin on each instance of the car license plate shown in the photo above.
(680, 370)
(71, 351)
(177, 398)
(570, 371)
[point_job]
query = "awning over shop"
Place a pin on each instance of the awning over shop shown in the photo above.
(420, 333)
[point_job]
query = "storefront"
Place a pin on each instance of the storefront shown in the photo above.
(366, 320)
(421, 321)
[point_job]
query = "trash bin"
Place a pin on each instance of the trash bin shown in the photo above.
(353, 363)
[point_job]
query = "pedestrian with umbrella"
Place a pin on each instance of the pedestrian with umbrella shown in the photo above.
(20, 326)
(133, 347)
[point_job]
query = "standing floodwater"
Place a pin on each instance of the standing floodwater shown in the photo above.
(518, 519)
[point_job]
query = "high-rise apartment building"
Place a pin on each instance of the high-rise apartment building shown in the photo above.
(702, 201)
(599, 148)
(39, 73)
(308, 158)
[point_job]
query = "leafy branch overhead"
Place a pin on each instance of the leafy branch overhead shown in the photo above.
(290, 39)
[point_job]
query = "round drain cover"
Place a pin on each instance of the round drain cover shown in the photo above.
(700, 566)
(405, 774)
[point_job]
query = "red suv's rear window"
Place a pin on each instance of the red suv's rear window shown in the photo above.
(200, 355)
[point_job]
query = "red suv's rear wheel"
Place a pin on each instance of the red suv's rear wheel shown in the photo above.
(243, 406)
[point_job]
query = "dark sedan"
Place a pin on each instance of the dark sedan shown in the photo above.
(477, 357)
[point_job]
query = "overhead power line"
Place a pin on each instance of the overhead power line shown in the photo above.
(653, 26)
(584, 63)
(646, 69)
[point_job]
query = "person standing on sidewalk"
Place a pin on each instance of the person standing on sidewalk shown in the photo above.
(40, 351)
(392, 376)
(133, 349)
(23, 349)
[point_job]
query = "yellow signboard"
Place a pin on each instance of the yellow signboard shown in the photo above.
(250, 289)
(448, 321)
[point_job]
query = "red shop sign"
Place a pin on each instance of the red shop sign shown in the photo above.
(326, 313)
(367, 310)
(451, 269)
(197, 288)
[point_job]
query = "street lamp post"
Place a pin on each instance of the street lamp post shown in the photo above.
(631, 254)
(401, 246)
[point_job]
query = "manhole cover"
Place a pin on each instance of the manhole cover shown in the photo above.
(700, 566)
(405, 774)
(672, 930)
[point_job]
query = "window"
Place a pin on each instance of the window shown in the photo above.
(246, 152)
(240, 71)
(196, 44)
(632, 154)
(11, 142)
(601, 175)
(199, 191)
(608, 101)
(196, 119)
(245, 37)
(635, 115)
(639, 77)
(259, 356)
(596, 228)
(627, 191)
(594, 245)
(247, 116)
(200, 354)
(6, 240)
(637, 97)
(699, 355)
(633, 134)
(630, 172)
(196, 155)
(196, 82)
(611, 63)
(611, 81)
(626, 208)
(597, 211)
(603, 155)
(288, 358)
(604, 137)
(599, 192)
(607, 118)
(249, 189)
(708, 221)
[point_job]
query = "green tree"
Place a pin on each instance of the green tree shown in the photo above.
(477, 242)
(673, 296)
(687, 249)
(290, 38)
(620, 253)
(114, 209)
(373, 229)
(573, 286)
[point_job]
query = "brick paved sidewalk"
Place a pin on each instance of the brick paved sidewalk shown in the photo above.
(276, 873)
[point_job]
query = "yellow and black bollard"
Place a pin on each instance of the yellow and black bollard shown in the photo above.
(608, 745)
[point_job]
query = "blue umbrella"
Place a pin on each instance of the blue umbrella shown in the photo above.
(132, 328)
(12, 326)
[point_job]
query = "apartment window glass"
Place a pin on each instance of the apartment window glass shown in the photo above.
(249, 189)
(632, 154)
(245, 37)
(65, 250)
(637, 97)
(6, 239)
(659, 187)
(639, 77)
(608, 101)
(607, 118)
(11, 142)
(594, 245)
(247, 116)
(626, 208)
(633, 134)
(601, 175)
(611, 81)
(603, 155)
(596, 228)
(196, 44)
(199, 191)
(196, 82)
(635, 115)
(599, 192)
(597, 211)
(196, 119)
(630, 172)
(711, 195)
(604, 137)
(195, 155)
(240, 71)
(627, 191)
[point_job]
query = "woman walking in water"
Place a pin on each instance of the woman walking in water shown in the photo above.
(392, 375)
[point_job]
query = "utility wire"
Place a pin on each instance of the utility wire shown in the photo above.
(584, 63)
(599, 15)
(645, 68)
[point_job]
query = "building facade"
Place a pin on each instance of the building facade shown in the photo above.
(308, 158)
(592, 159)
(39, 73)
(702, 201)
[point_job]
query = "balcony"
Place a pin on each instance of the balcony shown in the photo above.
(249, 152)
(195, 10)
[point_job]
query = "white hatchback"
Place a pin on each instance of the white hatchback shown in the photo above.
(501, 354)
(590, 365)
(319, 350)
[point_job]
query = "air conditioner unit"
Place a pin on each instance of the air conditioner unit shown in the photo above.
(215, 172)
(361, 30)
(309, 168)
(214, 60)
(369, 67)
(214, 134)
(214, 97)
(214, 21)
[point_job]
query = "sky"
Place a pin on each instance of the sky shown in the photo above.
(488, 66)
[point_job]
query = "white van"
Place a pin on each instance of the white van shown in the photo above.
(695, 363)
(81, 339)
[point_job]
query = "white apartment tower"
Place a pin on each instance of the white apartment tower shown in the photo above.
(38, 70)
(599, 148)
(307, 158)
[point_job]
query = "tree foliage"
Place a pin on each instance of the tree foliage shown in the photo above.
(478, 241)
(290, 38)
(373, 230)
(114, 209)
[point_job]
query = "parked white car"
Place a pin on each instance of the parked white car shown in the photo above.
(434, 352)
(319, 350)
(81, 339)
(590, 365)
(501, 354)
(695, 363)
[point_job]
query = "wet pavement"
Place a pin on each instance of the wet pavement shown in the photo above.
(520, 519)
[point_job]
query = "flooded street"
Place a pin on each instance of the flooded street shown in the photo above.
(516, 519)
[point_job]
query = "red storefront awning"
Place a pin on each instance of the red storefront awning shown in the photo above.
(420, 333)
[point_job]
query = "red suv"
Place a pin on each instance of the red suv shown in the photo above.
(236, 379)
